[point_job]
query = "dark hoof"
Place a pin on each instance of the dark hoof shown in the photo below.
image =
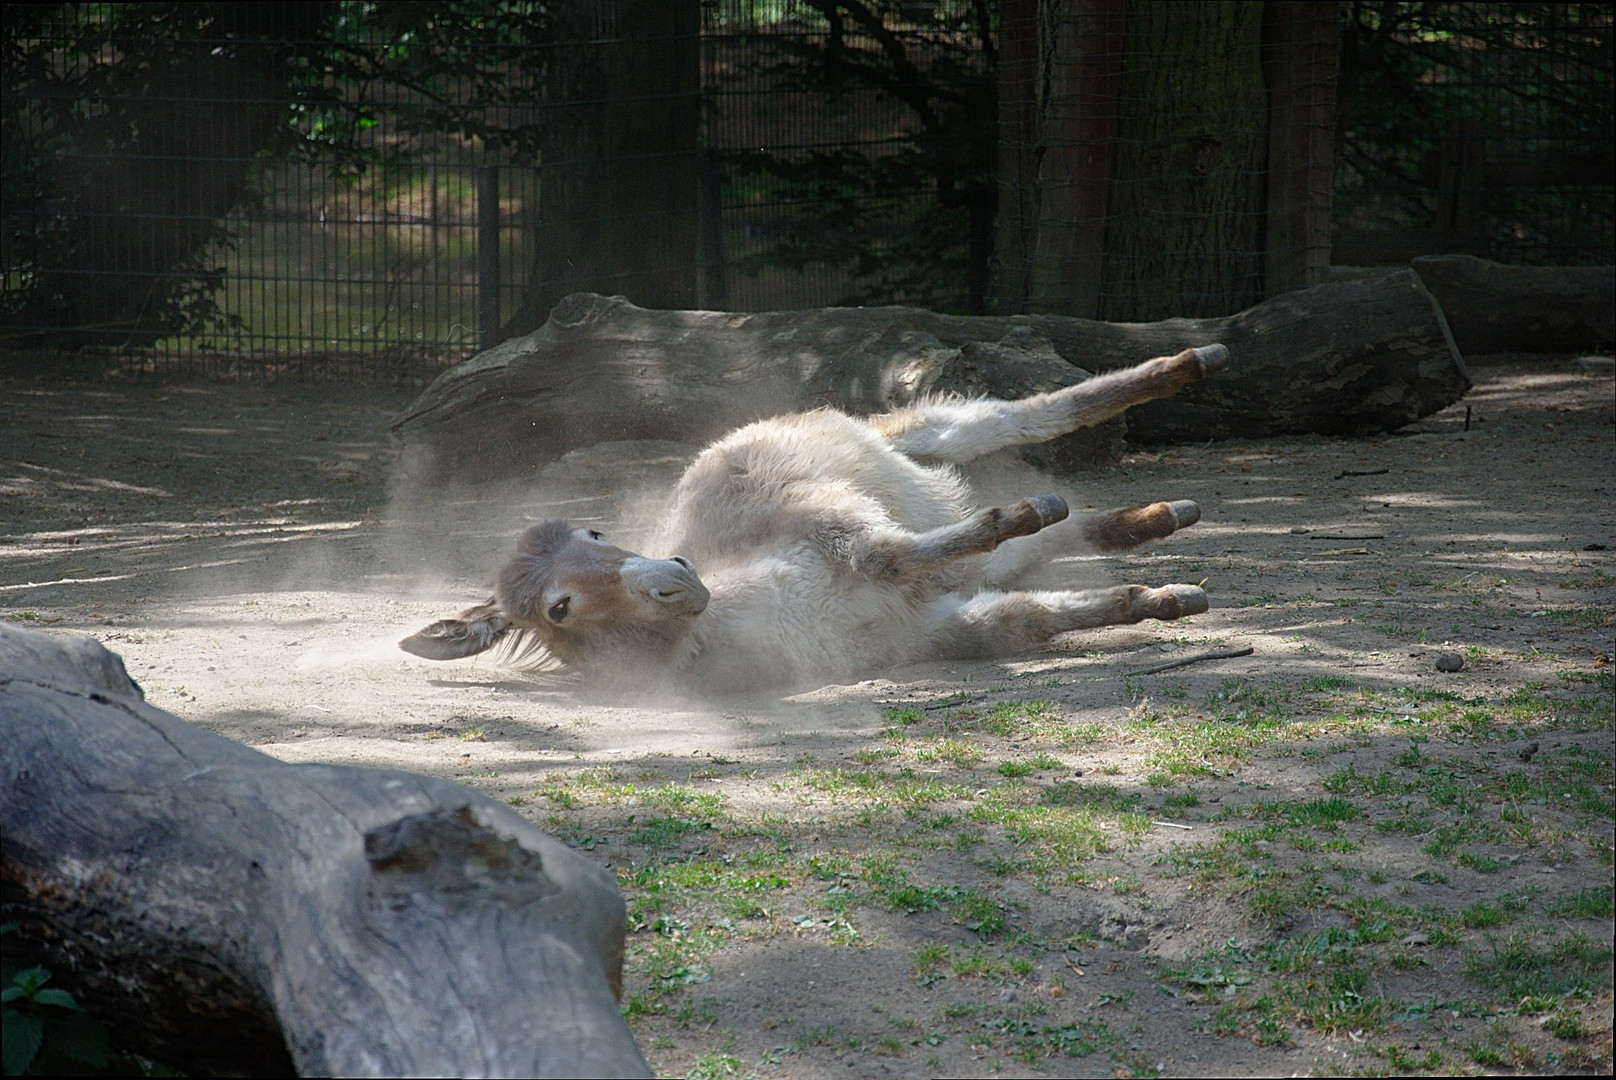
(1027, 517)
(1212, 358)
(1185, 513)
(1049, 508)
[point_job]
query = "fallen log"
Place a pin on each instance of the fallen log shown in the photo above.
(227, 913)
(1338, 358)
(1542, 309)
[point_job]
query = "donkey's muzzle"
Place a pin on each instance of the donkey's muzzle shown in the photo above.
(671, 583)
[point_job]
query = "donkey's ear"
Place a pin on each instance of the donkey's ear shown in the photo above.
(473, 631)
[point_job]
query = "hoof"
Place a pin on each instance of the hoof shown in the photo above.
(1028, 516)
(1212, 358)
(445, 639)
(1185, 513)
(1049, 508)
(1171, 602)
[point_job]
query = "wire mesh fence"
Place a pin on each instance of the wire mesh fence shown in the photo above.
(376, 191)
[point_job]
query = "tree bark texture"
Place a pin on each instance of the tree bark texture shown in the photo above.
(1496, 308)
(227, 913)
(1059, 85)
(1338, 358)
(619, 199)
(1186, 199)
(1301, 53)
(1163, 158)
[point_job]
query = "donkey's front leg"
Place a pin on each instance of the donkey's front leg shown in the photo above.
(1006, 623)
(895, 556)
(958, 430)
(1087, 533)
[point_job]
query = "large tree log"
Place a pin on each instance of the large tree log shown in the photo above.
(1336, 358)
(228, 913)
(1496, 308)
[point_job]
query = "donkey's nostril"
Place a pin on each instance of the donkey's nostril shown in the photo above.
(682, 561)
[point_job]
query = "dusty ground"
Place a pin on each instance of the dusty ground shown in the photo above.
(1326, 856)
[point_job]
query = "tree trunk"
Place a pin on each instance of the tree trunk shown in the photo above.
(226, 913)
(1186, 201)
(1338, 358)
(619, 194)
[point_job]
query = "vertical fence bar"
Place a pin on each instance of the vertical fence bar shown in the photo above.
(487, 254)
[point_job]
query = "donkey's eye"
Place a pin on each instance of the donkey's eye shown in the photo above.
(559, 609)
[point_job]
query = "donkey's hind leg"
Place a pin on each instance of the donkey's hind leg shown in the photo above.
(960, 430)
(1006, 623)
(1083, 534)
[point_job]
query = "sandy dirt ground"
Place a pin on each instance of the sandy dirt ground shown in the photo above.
(1325, 856)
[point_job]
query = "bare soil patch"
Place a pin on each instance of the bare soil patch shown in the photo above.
(1326, 856)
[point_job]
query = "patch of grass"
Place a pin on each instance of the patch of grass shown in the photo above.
(1520, 967)
(1481, 864)
(1064, 829)
(903, 786)
(959, 753)
(1328, 813)
(1483, 915)
(1581, 618)
(1596, 903)
(1038, 721)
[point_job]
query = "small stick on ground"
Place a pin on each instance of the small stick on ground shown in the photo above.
(1172, 824)
(1216, 654)
(1361, 472)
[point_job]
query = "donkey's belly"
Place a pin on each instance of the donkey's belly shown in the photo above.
(782, 624)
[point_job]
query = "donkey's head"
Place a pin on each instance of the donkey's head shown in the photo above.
(587, 603)
(592, 603)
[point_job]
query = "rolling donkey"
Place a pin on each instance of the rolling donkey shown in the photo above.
(831, 548)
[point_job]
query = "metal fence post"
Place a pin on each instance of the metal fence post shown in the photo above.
(487, 255)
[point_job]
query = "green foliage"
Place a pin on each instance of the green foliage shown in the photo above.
(45, 1030)
(906, 214)
(1417, 76)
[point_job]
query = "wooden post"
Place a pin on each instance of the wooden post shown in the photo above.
(1459, 190)
(1079, 121)
(1060, 72)
(1301, 50)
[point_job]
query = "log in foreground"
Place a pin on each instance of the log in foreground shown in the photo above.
(228, 913)
(1368, 355)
